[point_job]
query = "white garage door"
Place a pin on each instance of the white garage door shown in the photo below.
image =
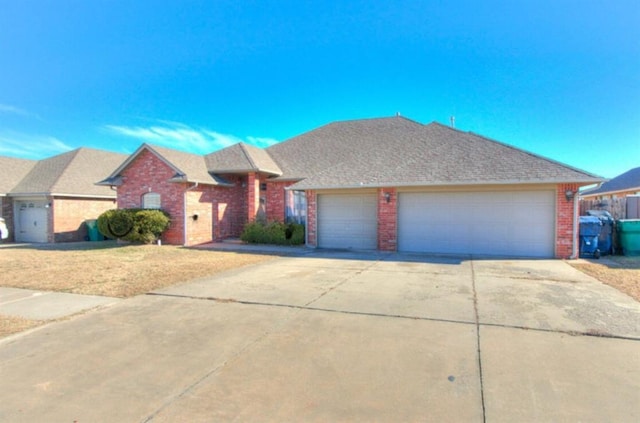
(32, 221)
(347, 221)
(492, 223)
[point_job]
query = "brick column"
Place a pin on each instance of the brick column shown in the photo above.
(387, 219)
(312, 237)
(253, 196)
(565, 221)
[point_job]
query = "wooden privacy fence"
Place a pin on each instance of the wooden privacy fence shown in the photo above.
(617, 207)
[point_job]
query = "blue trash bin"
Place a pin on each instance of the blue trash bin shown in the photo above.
(590, 228)
(605, 239)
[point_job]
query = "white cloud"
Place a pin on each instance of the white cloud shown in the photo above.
(183, 137)
(30, 146)
(8, 109)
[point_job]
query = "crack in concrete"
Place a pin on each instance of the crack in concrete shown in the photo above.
(477, 322)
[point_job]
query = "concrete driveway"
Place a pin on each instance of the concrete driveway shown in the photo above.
(341, 337)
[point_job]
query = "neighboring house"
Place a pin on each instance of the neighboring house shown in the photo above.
(49, 200)
(621, 186)
(390, 184)
(12, 171)
(619, 196)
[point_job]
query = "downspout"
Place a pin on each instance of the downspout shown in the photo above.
(184, 212)
(574, 249)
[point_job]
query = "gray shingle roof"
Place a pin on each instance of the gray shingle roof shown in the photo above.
(241, 158)
(399, 152)
(13, 170)
(72, 173)
(628, 181)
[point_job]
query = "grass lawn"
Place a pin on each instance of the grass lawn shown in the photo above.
(620, 272)
(107, 269)
(112, 270)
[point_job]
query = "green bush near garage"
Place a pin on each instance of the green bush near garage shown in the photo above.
(273, 233)
(134, 225)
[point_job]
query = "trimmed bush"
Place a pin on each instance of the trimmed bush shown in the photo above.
(135, 225)
(273, 233)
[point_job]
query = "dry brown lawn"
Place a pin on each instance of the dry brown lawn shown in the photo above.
(620, 272)
(106, 269)
(112, 270)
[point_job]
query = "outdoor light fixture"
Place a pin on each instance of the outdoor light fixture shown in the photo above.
(195, 216)
(387, 196)
(568, 194)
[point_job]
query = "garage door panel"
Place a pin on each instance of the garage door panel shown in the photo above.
(347, 221)
(493, 223)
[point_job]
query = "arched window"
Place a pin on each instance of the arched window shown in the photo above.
(151, 200)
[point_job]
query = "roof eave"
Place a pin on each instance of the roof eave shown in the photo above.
(244, 171)
(302, 186)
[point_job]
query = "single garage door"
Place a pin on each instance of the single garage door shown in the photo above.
(31, 222)
(493, 223)
(347, 221)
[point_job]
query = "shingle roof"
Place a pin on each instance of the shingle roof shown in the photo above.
(72, 173)
(400, 152)
(241, 158)
(628, 181)
(13, 170)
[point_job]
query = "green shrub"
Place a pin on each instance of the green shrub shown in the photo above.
(135, 225)
(273, 233)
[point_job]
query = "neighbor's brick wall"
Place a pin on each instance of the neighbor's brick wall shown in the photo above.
(147, 173)
(387, 220)
(565, 221)
(69, 216)
(276, 200)
(312, 236)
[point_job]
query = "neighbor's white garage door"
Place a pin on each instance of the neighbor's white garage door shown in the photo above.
(31, 222)
(347, 221)
(493, 223)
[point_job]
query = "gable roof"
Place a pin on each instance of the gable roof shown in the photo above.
(72, 174)
(628, 181)
(13, 170)
(241, 158)
(397, 151)
(188, 167)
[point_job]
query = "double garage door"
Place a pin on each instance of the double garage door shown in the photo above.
(507, 223)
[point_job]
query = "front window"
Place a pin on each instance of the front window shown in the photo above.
(151, 200)
(296, 207)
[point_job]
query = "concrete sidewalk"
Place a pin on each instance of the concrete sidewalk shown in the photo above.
(41, 305)
(341, 337)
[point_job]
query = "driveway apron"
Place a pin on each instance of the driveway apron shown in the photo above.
(341, 337)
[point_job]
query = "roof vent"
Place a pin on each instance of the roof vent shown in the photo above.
(452, 119)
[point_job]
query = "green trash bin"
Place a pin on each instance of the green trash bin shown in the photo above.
(629, 231)
(92, 230)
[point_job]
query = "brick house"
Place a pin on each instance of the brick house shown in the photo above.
(623, 185)
(391, 184)
(49, 200)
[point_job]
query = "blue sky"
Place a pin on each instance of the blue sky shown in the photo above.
(558, 78)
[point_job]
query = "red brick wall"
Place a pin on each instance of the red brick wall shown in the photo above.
(276, 200)
(69, 216)
(564, 221)
(253, 195)
(387, 220)
(147, 173)
(312, 236)
(230, 208)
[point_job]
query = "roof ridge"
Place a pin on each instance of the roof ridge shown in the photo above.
(247, 155)
(72, 155)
